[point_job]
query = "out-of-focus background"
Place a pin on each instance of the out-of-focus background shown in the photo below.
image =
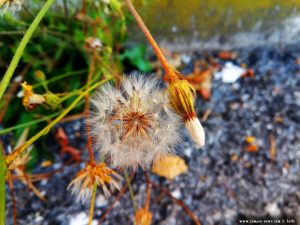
(193, 24)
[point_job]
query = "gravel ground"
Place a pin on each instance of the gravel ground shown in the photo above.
(224, 182)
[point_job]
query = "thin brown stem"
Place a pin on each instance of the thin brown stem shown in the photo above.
(83, 10)
(179, 202)
(170, 74)
(121, 193)
(148, 191)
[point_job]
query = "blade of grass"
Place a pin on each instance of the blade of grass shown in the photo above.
(130, 190)
(28, 124)
(92, 205)
(62, 76)
(18, 54)
(2, 187)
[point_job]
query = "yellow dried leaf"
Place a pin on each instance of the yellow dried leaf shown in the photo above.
(46, 163)
(169, 166)
(250, 139)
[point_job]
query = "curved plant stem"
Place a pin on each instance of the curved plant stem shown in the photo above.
(117, 198)
(130, 189)
(11, 157)
(87, 105)
(18, 54)
(171, 76)
(92, 206)
(61, 76)
(2, 186)
(27, 124)
(179, 202)
(148, 191)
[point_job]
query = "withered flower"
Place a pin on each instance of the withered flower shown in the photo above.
(30, 99)
(142, 217)
(133, 123)
(92, 44)
(82, 184)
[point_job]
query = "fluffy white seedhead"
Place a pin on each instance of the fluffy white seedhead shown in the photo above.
(133, 123)
(10, 5)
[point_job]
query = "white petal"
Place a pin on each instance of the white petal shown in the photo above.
(196, 131)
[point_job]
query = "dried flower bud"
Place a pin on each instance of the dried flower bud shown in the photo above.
(30, 99)
(92, 44)
(40, 75)
(181, 95)
(52, 100)
(142, 217)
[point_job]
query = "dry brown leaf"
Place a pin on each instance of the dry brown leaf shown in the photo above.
(248, 73)
(169, 166)
(227, 55)
(272, 150)
(63, 141)
(251, 148)
(46, 163)
(202, 76)
(19, 166)
(234, 157)
(251, 144)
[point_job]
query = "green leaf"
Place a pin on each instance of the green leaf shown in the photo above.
(136, 57)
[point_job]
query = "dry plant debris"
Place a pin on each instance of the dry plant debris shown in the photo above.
(169, 166)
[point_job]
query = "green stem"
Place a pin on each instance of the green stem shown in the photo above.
(30, 123)
(130, 190)
(11, 69)
(62, 76)
(92, 206)
(45, 118)
(11, 157)
(2, 187)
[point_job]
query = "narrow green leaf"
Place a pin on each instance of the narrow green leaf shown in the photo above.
(2, 187)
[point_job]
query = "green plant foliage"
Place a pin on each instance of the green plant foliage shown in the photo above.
(136, 57)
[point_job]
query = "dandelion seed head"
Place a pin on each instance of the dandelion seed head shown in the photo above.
(133, 123)
(10, 5)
